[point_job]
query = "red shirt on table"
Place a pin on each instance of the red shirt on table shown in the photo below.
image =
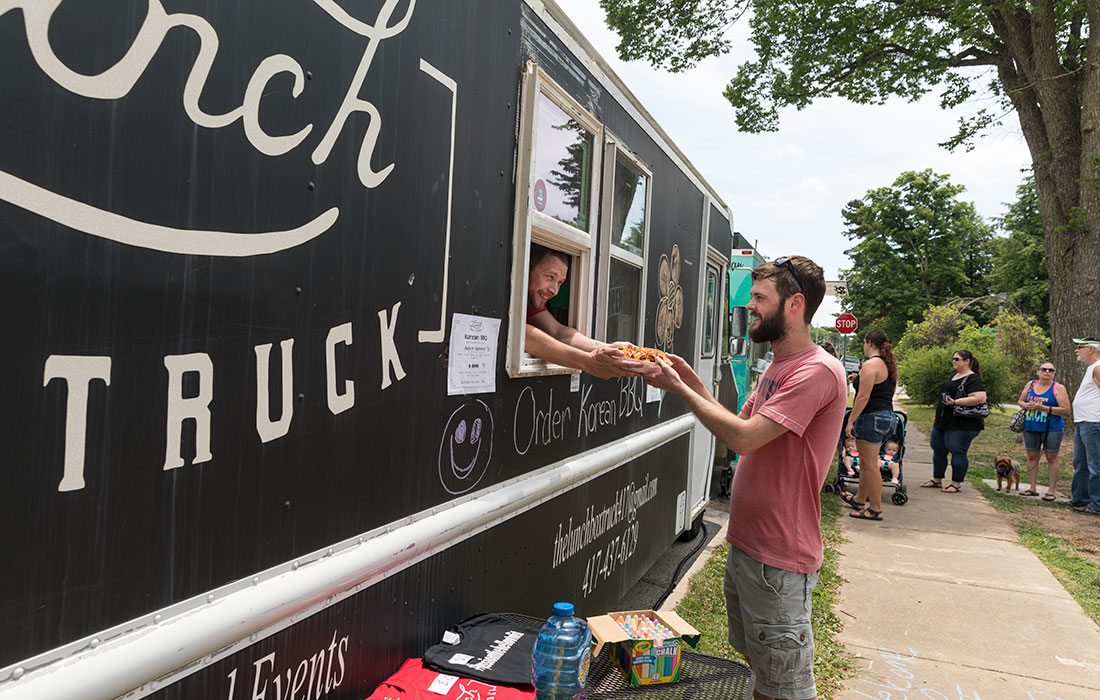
(412, 680)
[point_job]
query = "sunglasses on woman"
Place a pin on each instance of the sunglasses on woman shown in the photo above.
(1046, 369)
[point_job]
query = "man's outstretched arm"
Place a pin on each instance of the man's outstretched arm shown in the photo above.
(602, 361)
(545, 347)
(562, 333)
(738, 434)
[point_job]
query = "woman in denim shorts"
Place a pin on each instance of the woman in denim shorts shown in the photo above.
(872, 421)
(1046, 403)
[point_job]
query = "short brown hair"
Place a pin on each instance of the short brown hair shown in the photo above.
(539, 252)
(810, 276)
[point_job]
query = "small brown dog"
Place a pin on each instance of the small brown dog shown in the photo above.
(1008, 470)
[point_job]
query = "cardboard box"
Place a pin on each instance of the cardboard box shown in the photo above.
(641, 660)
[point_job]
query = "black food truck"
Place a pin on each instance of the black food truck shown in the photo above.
(268, 425)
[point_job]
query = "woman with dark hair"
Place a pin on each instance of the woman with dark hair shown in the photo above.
(829, 348)
(872, 421)
(951, 433)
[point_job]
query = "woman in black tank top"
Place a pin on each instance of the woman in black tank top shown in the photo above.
(872, 421)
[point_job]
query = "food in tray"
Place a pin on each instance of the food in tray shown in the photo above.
(633, 352)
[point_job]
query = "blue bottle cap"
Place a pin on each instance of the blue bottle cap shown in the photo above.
(563, 609)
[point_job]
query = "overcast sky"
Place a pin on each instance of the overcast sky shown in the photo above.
(787, 188)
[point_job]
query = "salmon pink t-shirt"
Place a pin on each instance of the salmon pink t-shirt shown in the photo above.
(775, 502)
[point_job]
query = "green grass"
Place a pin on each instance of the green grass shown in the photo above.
(1079, 576)
(705, 607)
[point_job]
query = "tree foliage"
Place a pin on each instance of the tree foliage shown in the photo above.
(1037, 58)
(1023, 342)
(939, 327)
(924, 370)
(1008, 350)
(866, 52)
(673, 34)
(916, 245)
(1019, 263)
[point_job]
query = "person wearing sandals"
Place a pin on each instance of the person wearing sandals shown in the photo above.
(872, 421)
(1045, 403)
(952, 434)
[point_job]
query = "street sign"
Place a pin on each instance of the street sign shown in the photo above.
(846, 324)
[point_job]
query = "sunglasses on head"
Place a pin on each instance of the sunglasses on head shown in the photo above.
(786, 262)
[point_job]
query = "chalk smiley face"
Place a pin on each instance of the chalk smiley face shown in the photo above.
(466, 447)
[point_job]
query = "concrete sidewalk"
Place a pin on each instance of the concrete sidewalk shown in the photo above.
(941, 601)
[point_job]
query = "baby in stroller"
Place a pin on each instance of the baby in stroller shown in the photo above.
(849, 458)
(891, 462)
(892, 456)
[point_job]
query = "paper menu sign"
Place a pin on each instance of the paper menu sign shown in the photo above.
(471, 367)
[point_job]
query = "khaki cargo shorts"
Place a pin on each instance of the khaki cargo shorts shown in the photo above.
(769, 619)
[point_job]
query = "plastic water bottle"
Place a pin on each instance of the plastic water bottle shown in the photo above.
(559, 665)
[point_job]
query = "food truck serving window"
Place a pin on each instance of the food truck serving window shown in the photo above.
(624, 238)
(558, 160)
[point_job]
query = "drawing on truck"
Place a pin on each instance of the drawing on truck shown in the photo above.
(240, 455)
(670, 305)
(467, 447)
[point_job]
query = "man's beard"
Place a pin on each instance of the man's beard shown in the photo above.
(769, 330)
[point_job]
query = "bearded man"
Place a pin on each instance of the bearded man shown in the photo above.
(787, 433)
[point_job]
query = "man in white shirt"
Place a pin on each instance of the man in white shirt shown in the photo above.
(1086, 430)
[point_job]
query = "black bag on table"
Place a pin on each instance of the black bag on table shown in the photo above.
(486, 647)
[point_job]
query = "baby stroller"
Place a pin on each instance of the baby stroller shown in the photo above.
(900, 496)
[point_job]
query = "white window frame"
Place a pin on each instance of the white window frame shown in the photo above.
(613, 149)
(533, 227)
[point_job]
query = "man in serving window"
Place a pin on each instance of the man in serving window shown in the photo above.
(548, 339)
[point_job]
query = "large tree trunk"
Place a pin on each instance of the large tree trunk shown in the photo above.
(1059, 112)
(1073, 264)
(1077, 257)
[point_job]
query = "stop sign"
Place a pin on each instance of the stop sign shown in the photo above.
(846, 323)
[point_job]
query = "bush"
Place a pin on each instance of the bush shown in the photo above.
(924, 370)
(980, 341)
(939, 328)
(1000, 384)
